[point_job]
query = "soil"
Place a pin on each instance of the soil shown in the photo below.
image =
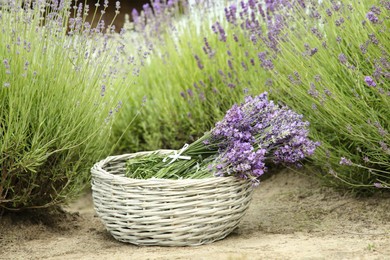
(291, 216)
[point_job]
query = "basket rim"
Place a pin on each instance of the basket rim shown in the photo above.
(99, 172)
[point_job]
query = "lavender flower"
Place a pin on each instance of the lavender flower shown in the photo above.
(257, 131)
(369, 81)
(372, 17)
(103, 90)
(313, 51)
(342, 58)
(339, 22)
(312, 91)
(199, 62)
(230, 64)
(345, 161)
(376, 10)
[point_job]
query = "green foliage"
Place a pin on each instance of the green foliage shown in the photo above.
(58, 98)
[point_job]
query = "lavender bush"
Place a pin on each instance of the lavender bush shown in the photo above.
(181, 101)
(59, 93)
(338, 79)
(249, 137)
(305, 55)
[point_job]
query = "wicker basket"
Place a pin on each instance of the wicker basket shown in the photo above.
(164, 212)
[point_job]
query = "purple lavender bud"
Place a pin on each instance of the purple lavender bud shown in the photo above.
(345, 161)
(342, 58)
(135, 15)
(252, 4)
(199, 62)
(302, 3)
(230, 64)
(253, 39)
(26, 65)
(339, 22)
(316, 14)
(363, 48)
(315, 31)
(170, 3)
(233, 8)
(328, 92)
(384, 147)
(372, 17)
(157, 7)
(369, 81)
(336, 7)
(378, 185)
(214, 28)
(244, 66)
(261, 11)
(313, 51)
(202, 97)
(205, 50)
(376, 10)
(312, 91)
(267, 64)
(262, 56)
(6, 63)
(291, 78)
(373, 39)
(206, 43)
(217, 28)
(103, 90)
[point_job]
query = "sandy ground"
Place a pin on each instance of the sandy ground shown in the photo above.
(291, 217)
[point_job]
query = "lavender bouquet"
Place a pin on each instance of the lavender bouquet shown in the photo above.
(250, 136)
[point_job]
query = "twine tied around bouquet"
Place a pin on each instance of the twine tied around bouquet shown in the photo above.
(177, 155)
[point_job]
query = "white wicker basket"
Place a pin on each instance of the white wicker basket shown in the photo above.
(164, 212)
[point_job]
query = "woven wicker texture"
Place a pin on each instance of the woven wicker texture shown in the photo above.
(164, 212)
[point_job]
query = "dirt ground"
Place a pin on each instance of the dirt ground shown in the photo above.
(291, 216)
